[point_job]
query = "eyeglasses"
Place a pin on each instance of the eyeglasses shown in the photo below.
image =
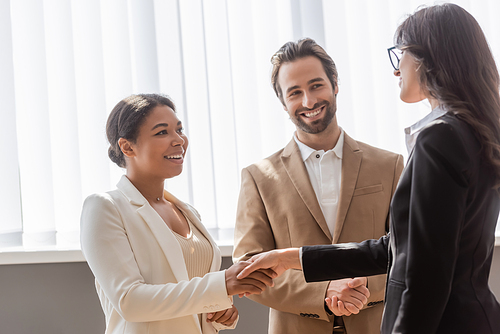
(395, 56)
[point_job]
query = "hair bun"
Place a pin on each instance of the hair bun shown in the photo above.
(116, 157)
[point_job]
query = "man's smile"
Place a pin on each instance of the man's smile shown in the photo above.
(312, 114)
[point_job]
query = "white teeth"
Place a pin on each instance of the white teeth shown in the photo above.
(313, 113)
(174, 156)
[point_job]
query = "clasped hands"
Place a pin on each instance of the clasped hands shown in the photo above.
(347, 296)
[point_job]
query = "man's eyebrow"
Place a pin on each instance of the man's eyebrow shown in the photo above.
(309, 82)
(291, 88)
(315, 80)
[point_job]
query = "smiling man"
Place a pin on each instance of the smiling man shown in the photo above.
(324, 187)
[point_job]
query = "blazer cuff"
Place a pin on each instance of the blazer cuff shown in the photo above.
(221, 301)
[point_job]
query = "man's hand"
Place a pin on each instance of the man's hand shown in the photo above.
(347, 296)
(278, 260)
(254, 283)
(226, 317)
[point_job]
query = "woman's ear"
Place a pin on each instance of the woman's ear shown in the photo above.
(126, 147)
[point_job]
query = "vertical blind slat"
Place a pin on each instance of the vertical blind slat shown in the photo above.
(63, 120)
(33, 127)
(245, 95)
(144, 54)
(10, 196)
(91, 97)
(221, 114)
(116, 51)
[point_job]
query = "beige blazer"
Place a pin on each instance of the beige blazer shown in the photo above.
(278, 208)
(141, 276)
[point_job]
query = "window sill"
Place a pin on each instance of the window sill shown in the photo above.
(54, 255)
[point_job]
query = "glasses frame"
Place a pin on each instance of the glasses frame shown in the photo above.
(391, 51)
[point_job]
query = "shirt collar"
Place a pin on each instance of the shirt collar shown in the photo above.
(411, 133)
(306, 151)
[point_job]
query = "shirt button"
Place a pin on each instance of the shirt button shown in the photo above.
(317, 156)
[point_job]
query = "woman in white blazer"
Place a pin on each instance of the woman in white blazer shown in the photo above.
(155, 264)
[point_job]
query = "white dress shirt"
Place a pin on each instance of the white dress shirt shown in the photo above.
(413, 131)
(325, 174)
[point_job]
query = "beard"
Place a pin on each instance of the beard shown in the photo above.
(318, 125)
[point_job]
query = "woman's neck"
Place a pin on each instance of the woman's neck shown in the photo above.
(150, 188)
(433, 102)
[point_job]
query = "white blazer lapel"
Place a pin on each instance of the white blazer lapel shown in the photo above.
(161, 231)
(166, 240)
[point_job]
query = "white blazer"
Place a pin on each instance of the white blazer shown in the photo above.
(141, 276)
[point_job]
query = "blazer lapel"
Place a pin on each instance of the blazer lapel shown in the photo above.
(351, 163)
(296, 170)
(161, 231)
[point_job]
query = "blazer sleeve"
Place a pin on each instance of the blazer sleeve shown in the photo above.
(108, 252)
(253, 235)
(438, 200)
(330, 262)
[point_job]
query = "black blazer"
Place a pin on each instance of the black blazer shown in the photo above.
(442, 234)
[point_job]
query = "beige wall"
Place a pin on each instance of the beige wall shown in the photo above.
(60, 299)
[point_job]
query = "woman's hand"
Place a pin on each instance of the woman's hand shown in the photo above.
(226, 317)
(279, 261)
(254, 283)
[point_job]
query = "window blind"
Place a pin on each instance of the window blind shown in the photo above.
(65, 64)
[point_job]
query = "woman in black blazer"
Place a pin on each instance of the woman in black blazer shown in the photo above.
(445, 209)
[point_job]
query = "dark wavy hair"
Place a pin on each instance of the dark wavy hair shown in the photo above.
(457, 68)
(127, 117)
(293, 51)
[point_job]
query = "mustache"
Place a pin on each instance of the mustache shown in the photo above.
(315, 106)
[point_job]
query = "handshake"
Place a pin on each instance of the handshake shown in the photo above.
(254, 283)
(343, 297)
